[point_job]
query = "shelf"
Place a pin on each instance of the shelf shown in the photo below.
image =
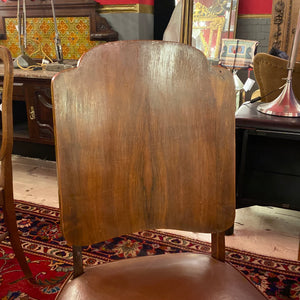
(21, 132)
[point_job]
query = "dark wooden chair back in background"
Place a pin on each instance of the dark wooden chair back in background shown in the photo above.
(6, 183)
(145, 139)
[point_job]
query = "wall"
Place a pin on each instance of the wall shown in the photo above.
(255, 7)
(132, 19)
(254, 22)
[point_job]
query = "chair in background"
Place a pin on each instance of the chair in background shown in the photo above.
(6, 183)
(270, 73)
(145, 139)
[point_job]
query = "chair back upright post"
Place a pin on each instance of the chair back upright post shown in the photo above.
(6, 182)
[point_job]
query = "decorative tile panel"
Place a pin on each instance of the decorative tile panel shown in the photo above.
(74, 33)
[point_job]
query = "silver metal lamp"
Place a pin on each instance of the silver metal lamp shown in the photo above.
(23, 60)
(286, 104)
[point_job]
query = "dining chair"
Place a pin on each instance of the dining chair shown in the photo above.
(271, 72)
(144, 134)
(6, 181)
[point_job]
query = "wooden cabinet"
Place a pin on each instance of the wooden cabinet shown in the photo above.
(33, 121)
(39, 111)
(283, 25)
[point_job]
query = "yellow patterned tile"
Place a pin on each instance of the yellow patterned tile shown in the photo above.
(44, 27)
(29, 28)
(74, 34)
(62, 26)
(81, 26)
(30, 49)
(73, 39)
(11, 27)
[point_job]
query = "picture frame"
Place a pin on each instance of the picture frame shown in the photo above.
(213, 20)
(237, 53)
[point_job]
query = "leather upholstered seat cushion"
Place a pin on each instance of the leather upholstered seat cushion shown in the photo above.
(169, 276)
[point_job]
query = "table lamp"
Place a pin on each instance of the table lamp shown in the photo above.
(286, 104)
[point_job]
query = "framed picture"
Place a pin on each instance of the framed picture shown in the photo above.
(237, 54)
(213, 20)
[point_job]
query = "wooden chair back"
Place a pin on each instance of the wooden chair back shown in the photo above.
(144, 135)
(6, 182)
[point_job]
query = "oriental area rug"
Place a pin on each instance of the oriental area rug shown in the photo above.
(50, 258)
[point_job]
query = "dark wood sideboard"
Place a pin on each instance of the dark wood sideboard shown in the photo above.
(268, 162)
(32, 106)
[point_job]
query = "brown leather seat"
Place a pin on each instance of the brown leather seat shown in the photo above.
(6, 183)
(174, 276)
(270, 72)
(144, 135)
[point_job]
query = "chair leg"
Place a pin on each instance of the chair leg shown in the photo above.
(11, 224)
(299, 250)
(77, 261)
(218, 245)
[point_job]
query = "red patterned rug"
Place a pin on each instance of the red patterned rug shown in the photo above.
(51, 262)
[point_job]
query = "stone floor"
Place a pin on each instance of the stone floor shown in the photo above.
(263, 230)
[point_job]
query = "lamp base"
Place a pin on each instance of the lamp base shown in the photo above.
(23, 61)
(285, 105)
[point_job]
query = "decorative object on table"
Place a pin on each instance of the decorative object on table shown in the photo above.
(57, 41)
(238, 54)
(238, 88)
(286, 104)
(23, 60)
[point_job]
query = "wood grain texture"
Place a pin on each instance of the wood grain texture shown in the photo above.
(145, 139)
(283, 25)
(7, 90)
(6, 182)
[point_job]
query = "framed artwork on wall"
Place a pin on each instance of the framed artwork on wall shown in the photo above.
(213, 20)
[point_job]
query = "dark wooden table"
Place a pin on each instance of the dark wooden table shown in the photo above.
(268, 159)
